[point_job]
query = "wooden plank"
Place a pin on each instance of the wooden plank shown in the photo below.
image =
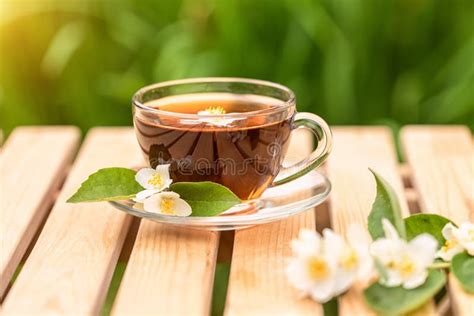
(33, 164)
(355, 150)
(257, 284)
(170, 272)
(70, 267)
(441, 160)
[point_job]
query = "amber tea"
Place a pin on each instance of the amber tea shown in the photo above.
(244, 155)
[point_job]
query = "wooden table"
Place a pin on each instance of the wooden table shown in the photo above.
(68, 253)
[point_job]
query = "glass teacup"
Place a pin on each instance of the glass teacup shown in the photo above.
(231, 131)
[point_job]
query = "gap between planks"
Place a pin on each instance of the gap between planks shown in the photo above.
(69, 269)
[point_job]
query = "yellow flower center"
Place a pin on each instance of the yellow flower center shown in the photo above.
(167, 206)
(449, 244)
(405, 266)
(156, 180)
(215, 110)
(349, 259)
(317, 268)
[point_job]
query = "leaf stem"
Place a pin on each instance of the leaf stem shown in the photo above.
(440, 265)
(331, 308)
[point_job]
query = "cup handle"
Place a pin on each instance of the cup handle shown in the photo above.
(323, 134)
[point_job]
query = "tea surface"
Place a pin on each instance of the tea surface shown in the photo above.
(230, 103)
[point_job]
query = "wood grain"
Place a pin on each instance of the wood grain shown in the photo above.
(69, 269)
(33, 164)
(257, 284)
(170, 272)
(441, 160)
(355, 150)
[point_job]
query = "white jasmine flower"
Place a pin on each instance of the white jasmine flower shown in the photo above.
(153, 180)
(167, 203)
(465, 236)
(326, 267)
(452, 246)
(312, 270)
(404, 263)
(215, 111)
(353, 257)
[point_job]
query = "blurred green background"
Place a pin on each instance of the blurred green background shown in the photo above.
(352, 62)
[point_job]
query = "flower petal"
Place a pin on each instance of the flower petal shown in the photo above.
(307, 244)
(143, 176)
(416, 280)
(359, 241)
(164, 171)
(182, 208)
(297, 276)
(447, 254)
(143, 195)
(343, 280)
(334, 244)
(323, 290)
(389, 229)
(166, 184)
(386, 249)
(164, 168)
(217, 121)
(152, 204)
(169, 195)
(393, 279)
(466, 227)
(423, 249)
(357, 236)
(465, 236)
(448, 231)
(366, 267)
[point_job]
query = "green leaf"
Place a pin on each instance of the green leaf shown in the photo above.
(108, 184)
(462, 266)
(386, 205)
(206, 198)
(397, 300)
(426, 223)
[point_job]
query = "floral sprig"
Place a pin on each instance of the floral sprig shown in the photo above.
(326, 266)
(153, 191)
(458, 240)
(154, 199)
(402, 262)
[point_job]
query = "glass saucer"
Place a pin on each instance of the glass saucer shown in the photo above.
(275, 203)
